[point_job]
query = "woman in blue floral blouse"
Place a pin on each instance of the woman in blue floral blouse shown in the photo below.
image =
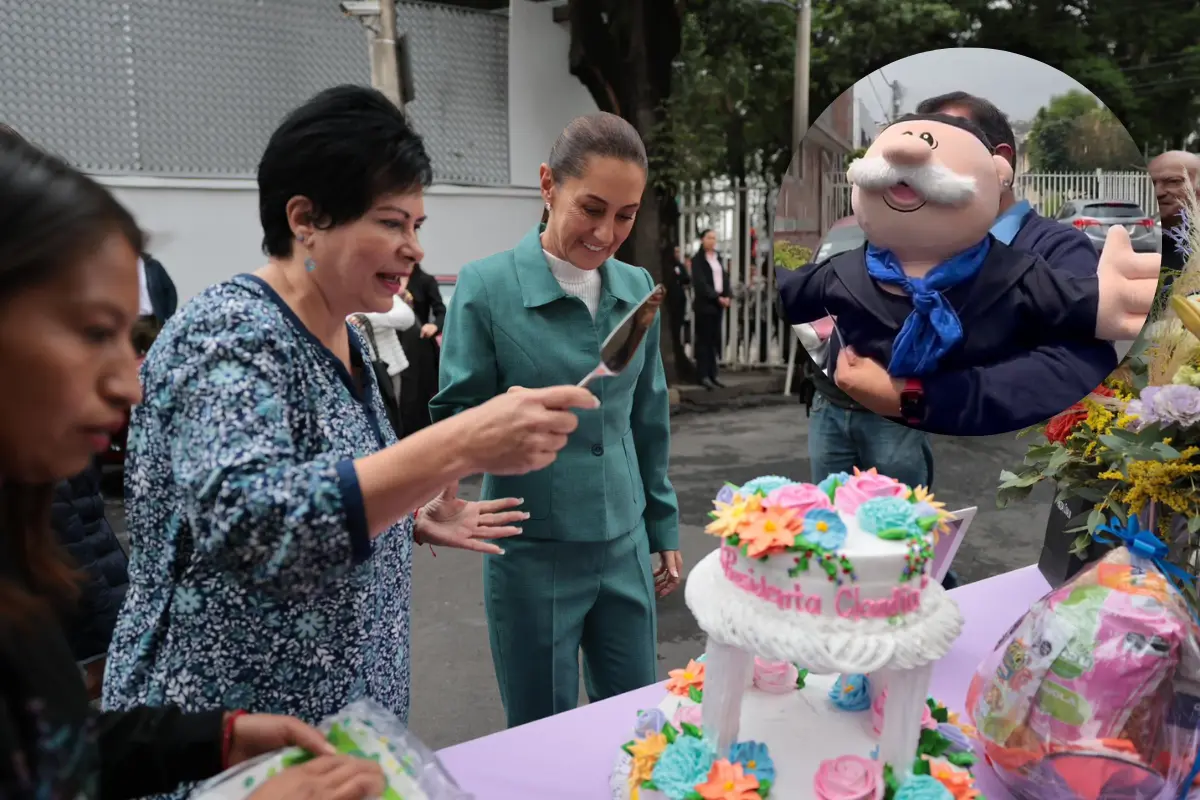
(269, 503)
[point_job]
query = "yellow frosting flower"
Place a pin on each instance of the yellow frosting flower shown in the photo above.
(645, 754)
(729, 516)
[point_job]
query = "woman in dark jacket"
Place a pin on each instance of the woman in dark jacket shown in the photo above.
(68, 300)
(77, 515)
(419, 383)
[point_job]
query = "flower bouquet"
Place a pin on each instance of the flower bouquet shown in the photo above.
(1132, 447)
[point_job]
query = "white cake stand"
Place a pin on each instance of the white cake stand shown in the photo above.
(898, 657)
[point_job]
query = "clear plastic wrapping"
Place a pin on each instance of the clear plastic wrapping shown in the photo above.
(1095, 692)
(362, 729)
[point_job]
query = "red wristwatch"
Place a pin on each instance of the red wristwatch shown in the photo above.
(912, 402)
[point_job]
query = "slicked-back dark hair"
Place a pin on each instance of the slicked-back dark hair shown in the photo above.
(602, 134)
(342, 150)
(990, 119)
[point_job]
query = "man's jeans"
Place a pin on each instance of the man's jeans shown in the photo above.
(840, 439)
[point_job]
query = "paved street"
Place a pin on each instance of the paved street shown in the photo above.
(454, 691)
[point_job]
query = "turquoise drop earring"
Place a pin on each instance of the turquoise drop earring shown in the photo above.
(309, 264)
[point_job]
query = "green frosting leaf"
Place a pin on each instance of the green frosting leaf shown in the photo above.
(650, 785)
(670, 732)
(764, 788)
(628, 748)
(890, 781)
(695, 694)
(801, 677)
(961, 759)
(833, 487)
(920, 767)
(927, 523)
(894, 534)
(691, 730)
(734, 540)
(693, 795)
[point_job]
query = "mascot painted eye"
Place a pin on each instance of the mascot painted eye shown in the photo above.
(928, 139)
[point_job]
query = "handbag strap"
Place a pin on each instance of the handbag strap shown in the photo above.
(366, 327)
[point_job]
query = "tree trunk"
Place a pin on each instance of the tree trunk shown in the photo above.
(622, 51)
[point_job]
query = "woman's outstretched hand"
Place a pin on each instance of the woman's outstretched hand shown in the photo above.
(449, 521)
(522, 431)
(326, 778)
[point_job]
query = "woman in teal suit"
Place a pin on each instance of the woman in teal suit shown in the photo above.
(580, 575)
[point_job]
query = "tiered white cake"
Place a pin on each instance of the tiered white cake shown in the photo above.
(826, 579)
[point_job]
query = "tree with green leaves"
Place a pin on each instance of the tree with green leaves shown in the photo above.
(1075, 133)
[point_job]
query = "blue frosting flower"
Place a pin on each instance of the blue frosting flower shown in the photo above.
(726, 494)
(851, 693)
(765, 484)
(923, 787)
(839, 478)
(683, 766)
(649, 721)
(824, 528)
(880, 514)
(755, 760)
(959, 741)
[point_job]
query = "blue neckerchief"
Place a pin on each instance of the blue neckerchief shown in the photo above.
(932, 328)
(1009, 224)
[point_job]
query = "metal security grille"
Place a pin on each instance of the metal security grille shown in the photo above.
(195, 87)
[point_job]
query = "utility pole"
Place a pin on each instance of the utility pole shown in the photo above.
(801, 77)
(379, 18)
(897, 95)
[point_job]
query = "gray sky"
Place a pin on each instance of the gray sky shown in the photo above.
(1018, 85)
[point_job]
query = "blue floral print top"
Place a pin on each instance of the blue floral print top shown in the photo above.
(253, 582)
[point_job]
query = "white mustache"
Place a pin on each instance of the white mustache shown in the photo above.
(934, 182)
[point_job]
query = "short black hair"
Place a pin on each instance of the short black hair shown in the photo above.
(605, 135)
(990, 119)
(342, 150)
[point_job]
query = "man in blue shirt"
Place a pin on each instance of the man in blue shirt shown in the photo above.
(1009, 395)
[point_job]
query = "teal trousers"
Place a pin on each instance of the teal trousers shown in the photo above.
(546, 600)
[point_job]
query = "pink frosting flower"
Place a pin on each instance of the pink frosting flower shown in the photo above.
(863, 486)
(798, 497)
(689, 713)
(847, 778)
(775, 677)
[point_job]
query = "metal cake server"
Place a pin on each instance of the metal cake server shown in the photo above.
(620, 345)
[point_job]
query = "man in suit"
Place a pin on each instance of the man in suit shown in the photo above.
(710, 280)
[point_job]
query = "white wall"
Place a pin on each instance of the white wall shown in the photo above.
(543, 95)
(206, 231)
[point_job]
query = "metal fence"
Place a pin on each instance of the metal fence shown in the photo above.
(195, 87)
(753, 335)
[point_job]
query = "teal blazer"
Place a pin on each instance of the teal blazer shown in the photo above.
(511, 324)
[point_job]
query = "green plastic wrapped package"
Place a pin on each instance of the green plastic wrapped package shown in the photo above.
(363, 729)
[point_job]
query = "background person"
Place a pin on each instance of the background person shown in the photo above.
(710, 300)
(68, 300)
(580, 576)
(270, 506)
(419, 381)
(1173, 173)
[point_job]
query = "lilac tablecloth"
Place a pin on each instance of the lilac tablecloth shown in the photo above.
(569, 756)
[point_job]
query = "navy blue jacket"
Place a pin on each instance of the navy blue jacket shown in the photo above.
(1031, 387)
(78, 519)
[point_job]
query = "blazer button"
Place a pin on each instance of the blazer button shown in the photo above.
(597, 450)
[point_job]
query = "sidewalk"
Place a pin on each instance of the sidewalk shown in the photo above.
(749, 389)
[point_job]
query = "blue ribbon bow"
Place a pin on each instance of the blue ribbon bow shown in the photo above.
(932, 328)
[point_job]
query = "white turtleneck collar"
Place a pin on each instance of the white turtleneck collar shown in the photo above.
(581, 283)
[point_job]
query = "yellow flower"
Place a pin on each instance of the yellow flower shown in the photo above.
(728, 516)
(645, 754)
(1168, 483)
(922, 495)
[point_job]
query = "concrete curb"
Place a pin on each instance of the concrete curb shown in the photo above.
(742, 391)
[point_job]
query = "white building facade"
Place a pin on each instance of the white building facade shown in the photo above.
(170, 102)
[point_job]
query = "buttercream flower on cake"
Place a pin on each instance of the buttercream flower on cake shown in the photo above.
(755, 759)
(923, 787)
(649, 721)
(798, 497)
(888, 518)
(764, 485)
(689, 714)
(847, 778)
(681, 681)
(727, 517)
(645, 754)
(728, 781)
(683, 766)
(824, 528)
(957, 781)
(769, 531)
(775, 677)
(863, 486)
(851, 693)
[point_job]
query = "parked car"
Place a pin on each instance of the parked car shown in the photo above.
(1094, 217)
(843, 235)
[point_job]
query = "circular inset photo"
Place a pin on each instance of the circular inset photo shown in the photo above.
(986, 256)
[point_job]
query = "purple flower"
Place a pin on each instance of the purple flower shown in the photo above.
(1167, 405)
(1180, 233)
(726, 493)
